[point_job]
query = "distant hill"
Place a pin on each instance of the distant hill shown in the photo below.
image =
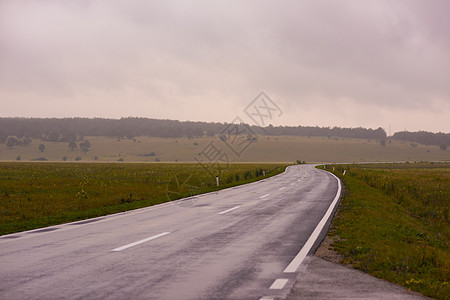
(424, 137)
(151, 140)
(72, 129)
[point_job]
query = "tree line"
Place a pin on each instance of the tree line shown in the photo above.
(424, 137)
(75, 129)
(71, 129)
(308, 131)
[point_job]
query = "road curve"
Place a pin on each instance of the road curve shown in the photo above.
(234, 244)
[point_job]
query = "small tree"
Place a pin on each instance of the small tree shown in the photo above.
(26, 141)
(443, 147)
(64, 158)
(85, 145)
(41, 147)
(12, 142)
(72, 145)
(18, 157)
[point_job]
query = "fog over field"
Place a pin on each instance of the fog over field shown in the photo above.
(327, 63)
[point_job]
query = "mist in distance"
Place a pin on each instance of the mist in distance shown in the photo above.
(325, 63)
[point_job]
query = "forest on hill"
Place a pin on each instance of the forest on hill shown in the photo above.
(424, 137)
(73, 129)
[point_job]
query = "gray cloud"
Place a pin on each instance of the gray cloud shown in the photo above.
(345, 63)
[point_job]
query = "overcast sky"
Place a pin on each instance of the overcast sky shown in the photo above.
(326, 63)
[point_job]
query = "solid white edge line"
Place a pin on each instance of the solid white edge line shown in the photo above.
(264, 196)
(140, 242)
(228, 210)
(300, 257)
(278, 284)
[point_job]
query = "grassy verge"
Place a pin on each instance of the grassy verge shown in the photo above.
(393, 223)
(34, 195)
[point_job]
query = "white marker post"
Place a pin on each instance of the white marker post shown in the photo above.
(264, 173)
(345, 171)
(217, 180)
(333, 169)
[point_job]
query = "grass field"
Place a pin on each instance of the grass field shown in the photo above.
(266, 149)
(34, 195)
(393, 222)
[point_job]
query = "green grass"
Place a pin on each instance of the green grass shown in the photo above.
(266, 149)
(34, 195)
(393, 222)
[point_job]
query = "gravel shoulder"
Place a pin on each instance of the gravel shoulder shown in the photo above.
(323, 277)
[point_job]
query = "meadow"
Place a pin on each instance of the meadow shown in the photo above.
(393, 223)
(265, 149)
(37, 194)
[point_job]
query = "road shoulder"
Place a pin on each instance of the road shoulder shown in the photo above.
(320, 278)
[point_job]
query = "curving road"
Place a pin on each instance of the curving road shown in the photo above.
(241, 243)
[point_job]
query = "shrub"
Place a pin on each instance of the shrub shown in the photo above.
(40, 159)
(148, 154)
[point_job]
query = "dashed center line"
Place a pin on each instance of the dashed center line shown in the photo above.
(228, 210)
(293, 183)
(278, 284)
(264, 196)
(140, 242)
(298, 259)
(282, 188)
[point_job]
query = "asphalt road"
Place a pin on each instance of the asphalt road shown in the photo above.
(239, 243)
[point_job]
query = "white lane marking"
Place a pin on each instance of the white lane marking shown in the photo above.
(298, 259)
(228, 210)
(266, 298)
(278, 284)
(298, 180)
(264, 196)
(282, 188)
(140, 242)
(293, 183)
